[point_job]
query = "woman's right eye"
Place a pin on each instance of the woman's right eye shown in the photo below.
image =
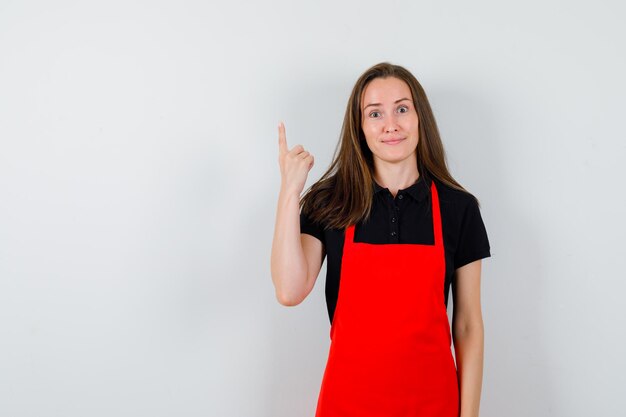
(374, 114)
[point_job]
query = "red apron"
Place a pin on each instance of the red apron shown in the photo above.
(390, 352)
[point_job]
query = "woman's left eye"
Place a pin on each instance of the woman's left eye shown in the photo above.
(403, 109)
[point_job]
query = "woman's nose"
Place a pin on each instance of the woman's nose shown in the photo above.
(391, 125)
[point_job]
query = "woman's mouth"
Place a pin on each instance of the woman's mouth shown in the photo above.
(393, 141)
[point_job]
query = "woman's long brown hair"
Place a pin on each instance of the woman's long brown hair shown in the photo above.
(344, 194)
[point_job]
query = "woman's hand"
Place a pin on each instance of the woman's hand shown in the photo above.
(295, 164)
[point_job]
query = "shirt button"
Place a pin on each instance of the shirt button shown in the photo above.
(393, 233)
(400, 196)
(393, 220)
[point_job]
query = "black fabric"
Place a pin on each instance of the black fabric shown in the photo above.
(407, 218)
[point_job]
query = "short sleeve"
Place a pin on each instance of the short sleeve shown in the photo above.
(473, 243)
(312, 228)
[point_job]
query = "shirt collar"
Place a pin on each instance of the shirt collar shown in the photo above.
(416, 190)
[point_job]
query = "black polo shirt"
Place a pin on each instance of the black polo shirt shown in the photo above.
(407, 219)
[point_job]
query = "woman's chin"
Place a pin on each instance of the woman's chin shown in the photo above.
(396, 157)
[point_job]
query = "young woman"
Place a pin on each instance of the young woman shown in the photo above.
(398, 231)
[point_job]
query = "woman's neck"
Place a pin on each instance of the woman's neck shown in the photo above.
(396, 176)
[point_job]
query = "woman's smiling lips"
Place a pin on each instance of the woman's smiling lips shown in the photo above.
(393, 141)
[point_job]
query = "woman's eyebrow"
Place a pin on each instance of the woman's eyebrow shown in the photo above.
(378, 104)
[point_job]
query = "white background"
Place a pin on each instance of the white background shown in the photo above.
(139, 179)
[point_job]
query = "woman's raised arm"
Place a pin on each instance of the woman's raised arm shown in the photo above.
(296, 259)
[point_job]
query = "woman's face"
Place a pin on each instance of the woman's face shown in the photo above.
(389, 120)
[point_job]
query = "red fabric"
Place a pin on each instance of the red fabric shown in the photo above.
(390, 352)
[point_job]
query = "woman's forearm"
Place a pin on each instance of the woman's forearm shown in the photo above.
(288, 263)
(469, 349)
